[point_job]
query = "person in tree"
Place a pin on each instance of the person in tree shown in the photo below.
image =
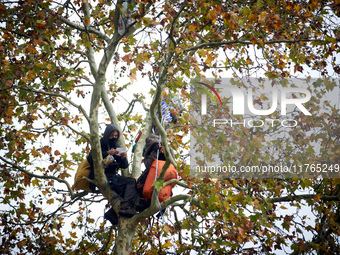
(114, 159)
(152, 145)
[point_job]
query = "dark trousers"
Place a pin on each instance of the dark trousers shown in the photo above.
(124, 187)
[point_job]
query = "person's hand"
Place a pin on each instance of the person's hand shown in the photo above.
(123, 155)
(112, 152)
(161, 149)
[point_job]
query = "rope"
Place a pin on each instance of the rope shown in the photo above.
(159, 204)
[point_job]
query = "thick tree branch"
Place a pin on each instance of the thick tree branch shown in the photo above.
(137, 155)
(99, 176)
(90, 52)
(84, 29)
(92, 61)
(173, 23)
(132, 104)
(157, 101)
(175, 181)
(154, 206)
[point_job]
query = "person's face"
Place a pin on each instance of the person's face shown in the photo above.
(114, 134)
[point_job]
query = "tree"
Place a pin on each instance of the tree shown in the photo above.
(56, 57)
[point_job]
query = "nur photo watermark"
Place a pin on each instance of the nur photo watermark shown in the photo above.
(246, 128)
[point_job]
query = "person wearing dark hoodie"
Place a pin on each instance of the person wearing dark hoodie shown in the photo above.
(123, 186)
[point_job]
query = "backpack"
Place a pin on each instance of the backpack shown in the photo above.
(164, 193)
(82, 171)
(141, 182)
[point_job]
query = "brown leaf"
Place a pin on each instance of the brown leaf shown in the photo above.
(218, 185)
(127, 58)
(64, 120)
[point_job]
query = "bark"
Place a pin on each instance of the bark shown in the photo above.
(99, 176)
(126, 232)
(137, 155)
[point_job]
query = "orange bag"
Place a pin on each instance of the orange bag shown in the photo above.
(82, 171)
(165, 192)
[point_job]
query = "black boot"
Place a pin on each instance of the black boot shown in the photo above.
(111, 216)
(127, 209)
(143, 204)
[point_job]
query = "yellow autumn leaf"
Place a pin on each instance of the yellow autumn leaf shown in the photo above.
(87, 20)
(261, 233)
(318, 197)
(125, 40)
(70, 163)
(255, 202)
(210, 58)
(73, 225)
(213, 191)
(167, 228)
(73, 235)
(167, 244)
(133, 75)
(171, 69)
(35, 182)
(50, 201)
(212, 14)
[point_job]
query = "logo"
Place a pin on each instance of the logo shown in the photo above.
(288, 98)
(204, 97)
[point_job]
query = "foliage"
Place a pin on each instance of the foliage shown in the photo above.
(64, 64)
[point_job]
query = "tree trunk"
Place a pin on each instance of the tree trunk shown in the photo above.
(126, 232)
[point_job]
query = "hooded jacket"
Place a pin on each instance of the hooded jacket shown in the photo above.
(106, 145)
(151, 143)
(150, 155)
